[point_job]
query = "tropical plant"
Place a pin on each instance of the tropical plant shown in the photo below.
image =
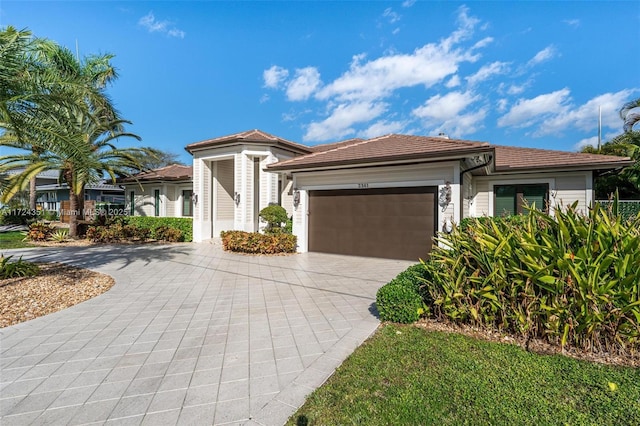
(568, 278)
(74, 126)
(630, 114)
(59, 236)
(19, 268)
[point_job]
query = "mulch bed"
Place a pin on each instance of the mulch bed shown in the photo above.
(58, 286)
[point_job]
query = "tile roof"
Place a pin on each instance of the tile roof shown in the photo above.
(510, 158)
(249, 136)
(328, 146)
(384, 148)
(406, 147)
(171, 172)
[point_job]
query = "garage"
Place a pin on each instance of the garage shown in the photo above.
(393, 223)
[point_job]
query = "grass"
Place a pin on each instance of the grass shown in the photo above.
(405, 375)
(11, 240)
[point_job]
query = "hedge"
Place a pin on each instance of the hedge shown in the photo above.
(184, 224)
(256, 243)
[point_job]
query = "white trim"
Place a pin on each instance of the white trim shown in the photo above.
(217, 157)
(551, 182)
(153, 197)
(589, 196)
(401, 184)
(243, 192)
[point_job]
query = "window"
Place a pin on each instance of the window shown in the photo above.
(511, 199)
(187, 206)
(156, 202)
(132, 203)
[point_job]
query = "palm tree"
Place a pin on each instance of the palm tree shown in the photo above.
(72, 126)
(630, 114)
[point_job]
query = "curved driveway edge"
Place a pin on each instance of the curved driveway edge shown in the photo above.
(189, 334)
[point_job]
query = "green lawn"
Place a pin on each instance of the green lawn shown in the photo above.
(9, 240)
(406, 375)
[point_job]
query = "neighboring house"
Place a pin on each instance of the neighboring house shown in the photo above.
(48, 177)
(51, 196)
(167, 191)
(381, 197)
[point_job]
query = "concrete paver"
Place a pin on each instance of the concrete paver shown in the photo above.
(189, 335)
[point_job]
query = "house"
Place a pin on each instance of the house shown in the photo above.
(381, 197)
(50, 196)
(167, 191)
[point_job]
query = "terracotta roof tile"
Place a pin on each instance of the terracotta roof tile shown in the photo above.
(328, 146)
(515, 158)
(171, 172)
(384, 148)
(255, 136)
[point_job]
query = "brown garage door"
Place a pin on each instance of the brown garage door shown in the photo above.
(394, 223)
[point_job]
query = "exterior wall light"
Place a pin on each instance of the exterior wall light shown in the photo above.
(296, 198)
(236, 198)
(194, 198)
(445, 196)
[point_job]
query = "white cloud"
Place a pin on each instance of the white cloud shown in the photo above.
(544, 55)
(585, 117)
(592, 141)
(575, 23)
(527, 112)
(304, 84)
(264, 98)
(174, 32)
(152, 25)
(274, 76)
(391, 16)
(554, 113)
(488, 71)
(445, 107)
(408, 3)
(355, 100)
(382, 127)
(446, 113)
(344, 116)
(515, 89)
(426, 66)
(453, 82)
(502, 104)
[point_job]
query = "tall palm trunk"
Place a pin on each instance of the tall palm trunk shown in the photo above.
(73, 214)
(32, 194)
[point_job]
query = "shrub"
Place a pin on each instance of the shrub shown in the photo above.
(256, 243)
(415, 277)
(183, 224)
(571, 279)
(16, 216)
(399, 303)
(39, 231)
(275, 216)
(20, 268)
(169, 234)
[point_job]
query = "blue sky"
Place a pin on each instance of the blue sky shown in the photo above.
(513, 73)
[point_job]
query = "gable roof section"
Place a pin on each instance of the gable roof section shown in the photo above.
(391, 147)
(173, 172)
(510, 158)
(250, 136)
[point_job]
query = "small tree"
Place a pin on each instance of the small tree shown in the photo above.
(275, 216)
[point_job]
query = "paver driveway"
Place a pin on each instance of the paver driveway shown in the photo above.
(189, 335)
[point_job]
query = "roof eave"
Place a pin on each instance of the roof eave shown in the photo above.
(565, 167)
